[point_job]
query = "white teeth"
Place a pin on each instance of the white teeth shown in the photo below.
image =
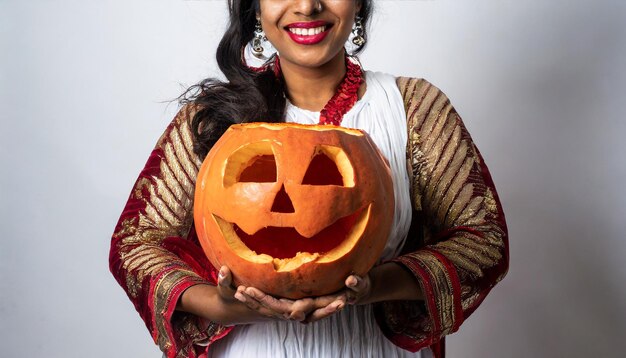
(307, 32)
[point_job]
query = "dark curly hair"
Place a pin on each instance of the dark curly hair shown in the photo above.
(246, 95)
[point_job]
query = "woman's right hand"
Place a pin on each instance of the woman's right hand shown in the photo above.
(217, 303)
(226, 305)
(225, 287)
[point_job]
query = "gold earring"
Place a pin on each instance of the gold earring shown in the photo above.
(358, 39)
(257, 41)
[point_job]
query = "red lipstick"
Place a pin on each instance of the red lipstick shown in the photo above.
(308, 33)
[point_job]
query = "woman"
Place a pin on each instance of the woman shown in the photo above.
(448, 246)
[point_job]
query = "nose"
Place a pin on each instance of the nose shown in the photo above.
(307, 7)
(282, 202)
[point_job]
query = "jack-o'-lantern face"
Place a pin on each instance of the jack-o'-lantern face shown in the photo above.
(293, 209)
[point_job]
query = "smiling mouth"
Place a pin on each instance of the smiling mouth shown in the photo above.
(287, 249)
(308, 33)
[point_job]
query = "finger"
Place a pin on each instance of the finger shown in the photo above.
(255, 305)
(352, 281)
(252, 303)
(357, 288)
(324, 312)
(258, 306)
(323, 301)
(224, 282)
(352, 292)
(224, 276)
(241, 295)
(280, 306)
(301, 308)
(351, 297)
(357, 283)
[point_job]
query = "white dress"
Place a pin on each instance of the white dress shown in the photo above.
(353, 332)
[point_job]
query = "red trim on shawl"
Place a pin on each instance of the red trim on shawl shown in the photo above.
(439, 348)
(456, 287)
(170, 308)
(427, 290)
(190, 251)
(404, 341)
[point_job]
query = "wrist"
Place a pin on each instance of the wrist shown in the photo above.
(205, 302)
(194, 299)
(391, 282)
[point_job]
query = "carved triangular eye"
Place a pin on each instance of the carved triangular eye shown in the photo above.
(261, 169)
(322, 171)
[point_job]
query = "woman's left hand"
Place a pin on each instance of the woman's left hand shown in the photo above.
(358, 289)
(386, 282)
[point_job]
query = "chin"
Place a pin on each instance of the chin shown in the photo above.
(313, 60)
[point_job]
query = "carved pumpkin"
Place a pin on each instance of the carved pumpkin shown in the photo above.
(293, 209)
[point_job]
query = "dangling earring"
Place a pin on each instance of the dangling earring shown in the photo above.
(258, 50)
(358, 39)
(257, 41)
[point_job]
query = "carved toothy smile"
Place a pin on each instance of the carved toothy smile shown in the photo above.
(287, 249)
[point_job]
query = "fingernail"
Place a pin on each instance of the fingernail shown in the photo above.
(221, 274)
(250, 292)
(240, 297)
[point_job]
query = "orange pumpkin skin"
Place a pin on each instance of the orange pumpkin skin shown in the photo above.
(293, 209)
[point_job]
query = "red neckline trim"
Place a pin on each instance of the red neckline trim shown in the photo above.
(345, 96)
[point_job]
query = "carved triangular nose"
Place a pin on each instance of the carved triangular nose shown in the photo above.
(282, 203)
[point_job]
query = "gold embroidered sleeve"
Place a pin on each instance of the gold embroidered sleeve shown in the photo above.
(463, 245)
(154, 256)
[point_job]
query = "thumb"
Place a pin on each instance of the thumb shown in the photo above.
(225, 281)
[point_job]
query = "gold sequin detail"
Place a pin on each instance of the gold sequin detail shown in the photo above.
(127, 228)
(490, 202)
(447, 184)
(168, 199)
(147, 260)
(132, 285)
(470, 300)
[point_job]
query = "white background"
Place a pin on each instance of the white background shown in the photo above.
(540, 84)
